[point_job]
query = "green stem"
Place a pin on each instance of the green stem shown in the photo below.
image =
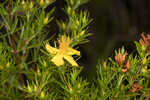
(64, 78)
(120, 81)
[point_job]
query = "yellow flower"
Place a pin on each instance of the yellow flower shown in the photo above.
(63, 52)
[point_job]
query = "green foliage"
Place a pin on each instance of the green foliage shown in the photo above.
(32, 69)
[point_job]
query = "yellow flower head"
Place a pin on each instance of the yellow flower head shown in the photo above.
(63, 52)
(64, 44)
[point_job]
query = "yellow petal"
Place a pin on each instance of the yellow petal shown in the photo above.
(50, 49)
(71, 60)
(58, 60)
(73, 52)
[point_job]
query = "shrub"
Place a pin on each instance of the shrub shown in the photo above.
(34, 66)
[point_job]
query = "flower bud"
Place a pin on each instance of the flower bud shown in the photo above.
(77, 23)
(105, 64)
(1, 67)
(144, 61)
(120, 58)
(63, 26)
(8, 65)
(46, 20)
(136, 87)
(44, 63)
(35, 88)
(29, 89)
(79, 85)
(143, 48)
(41, 2)
(38, 72)
(31, 5)
(69, 11)
(42, 95)
(82, 32)
(84, 19)
(144, 70)
(47, 1)
(24, 4)
(70, 90)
